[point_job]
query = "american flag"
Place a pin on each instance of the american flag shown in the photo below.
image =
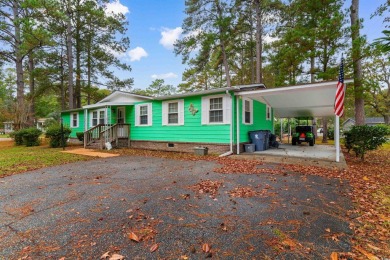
(340, 92)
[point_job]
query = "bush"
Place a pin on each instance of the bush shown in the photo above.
(27, 136)
(330, 134)
(364, 138)
(31, 136)
(53, 132)
(80, 136)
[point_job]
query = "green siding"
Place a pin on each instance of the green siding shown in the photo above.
(191, 131)
(67, 122)
(259, 120)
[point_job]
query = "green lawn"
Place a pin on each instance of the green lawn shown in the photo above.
(4, 136)
(16, 159)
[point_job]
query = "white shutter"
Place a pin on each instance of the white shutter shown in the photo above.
(136, 121)
(181, 111)
(227, 109)
(205, 110)
(164, 113)
(150, 114)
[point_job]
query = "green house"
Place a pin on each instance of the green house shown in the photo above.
(218, 119)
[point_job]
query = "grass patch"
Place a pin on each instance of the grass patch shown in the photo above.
(16, 159)
(4, 136)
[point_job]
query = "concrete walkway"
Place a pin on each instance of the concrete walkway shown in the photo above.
(90, 152)
(319, 155)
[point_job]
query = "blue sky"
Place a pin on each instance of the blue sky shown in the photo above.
(154, 26)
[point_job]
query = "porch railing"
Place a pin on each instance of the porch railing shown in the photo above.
(104, 133)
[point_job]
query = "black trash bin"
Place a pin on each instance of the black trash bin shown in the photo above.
(267, 135)
(258, 139)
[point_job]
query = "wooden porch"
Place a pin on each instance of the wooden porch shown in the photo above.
(118, 135)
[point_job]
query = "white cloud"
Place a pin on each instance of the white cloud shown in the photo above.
(117, 8)
(168, 75)
(170, 36)
(137, 53)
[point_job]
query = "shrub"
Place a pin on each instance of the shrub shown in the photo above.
(364, 138)
(330, 134)
(80, 136)
(31, 136)
(53, 132)
(26, 136)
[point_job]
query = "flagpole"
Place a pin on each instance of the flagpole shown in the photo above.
(337, 138)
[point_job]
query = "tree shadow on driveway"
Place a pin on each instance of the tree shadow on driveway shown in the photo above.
(85, 209)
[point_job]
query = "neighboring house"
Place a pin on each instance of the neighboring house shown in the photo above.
(369, 121)
(40, 124)
(177, 122)
(8, 127)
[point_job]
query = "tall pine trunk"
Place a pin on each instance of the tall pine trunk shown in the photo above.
(19, 122)
(259, 43)
(357, 64)
(223, 45)
(31, 67)
(70, 56)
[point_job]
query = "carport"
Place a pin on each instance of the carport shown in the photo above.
(306, 100)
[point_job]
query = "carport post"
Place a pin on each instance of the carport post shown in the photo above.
(337, 138)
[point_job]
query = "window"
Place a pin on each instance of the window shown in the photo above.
(98, 117)
(94, 118)
(74, 120)
(173, 112)
(143, 114)
(216, 109)
(247, 111)
(268, 115)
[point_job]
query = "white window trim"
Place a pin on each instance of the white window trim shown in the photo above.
(98, 116)
(180, 108)
(250, 110)
(137, 114)
(266, 112)
(77, 119)
(226, 108)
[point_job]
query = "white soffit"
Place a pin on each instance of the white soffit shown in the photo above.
(309, 100)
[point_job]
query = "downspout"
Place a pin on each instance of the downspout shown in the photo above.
(238, 123)
(231, 128)
(85, 126)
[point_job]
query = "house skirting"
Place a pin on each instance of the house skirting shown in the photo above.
(179, 146)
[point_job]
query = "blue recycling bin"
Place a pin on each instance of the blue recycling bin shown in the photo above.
(267, 135)
(258, 139)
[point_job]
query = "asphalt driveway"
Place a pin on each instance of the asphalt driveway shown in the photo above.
(85, 209)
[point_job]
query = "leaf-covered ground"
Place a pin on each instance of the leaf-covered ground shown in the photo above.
(370, 180)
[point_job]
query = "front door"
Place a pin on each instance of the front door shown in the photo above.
(120, 119)
(121, 115)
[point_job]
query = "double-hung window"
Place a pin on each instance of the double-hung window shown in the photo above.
(98, 117)
(94, 118)
(74, 118)
(216, 109)
(173, 112)
(143, 114)
(247, 111)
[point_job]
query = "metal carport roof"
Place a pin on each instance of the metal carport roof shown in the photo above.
(307, 100)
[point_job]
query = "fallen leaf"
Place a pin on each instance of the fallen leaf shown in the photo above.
(374, 247)
(153, 248)
(117, 257)
(367, 254)
(334, 256)
(105, 255)
(365, 178)
(184, 257)
(327, 229)
(133, 237)
(62, 258)
(206, 248)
